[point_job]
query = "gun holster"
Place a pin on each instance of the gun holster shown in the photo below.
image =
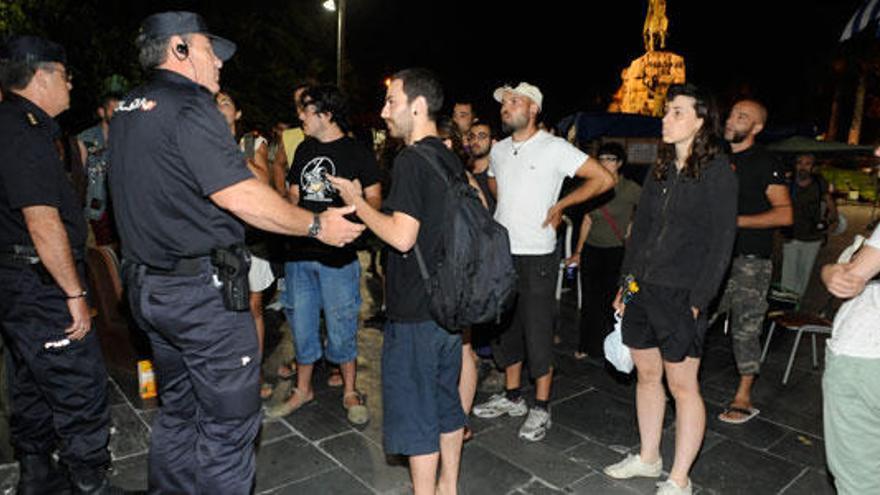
(232, 265)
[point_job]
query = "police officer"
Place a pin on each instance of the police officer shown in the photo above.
(178, 182)
(57, 377)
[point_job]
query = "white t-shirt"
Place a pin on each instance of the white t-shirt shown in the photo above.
(856, 330)
(529, 176)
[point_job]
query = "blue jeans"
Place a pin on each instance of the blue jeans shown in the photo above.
(313, 286)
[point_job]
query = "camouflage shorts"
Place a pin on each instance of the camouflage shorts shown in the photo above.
(745, 297)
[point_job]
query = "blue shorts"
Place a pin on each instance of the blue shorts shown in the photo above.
(312, 287)
(421, 363)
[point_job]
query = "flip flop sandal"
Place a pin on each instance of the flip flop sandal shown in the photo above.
(287, 407)
(357, 414)
(747, 415)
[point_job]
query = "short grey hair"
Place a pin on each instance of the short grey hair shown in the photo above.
(154, 51)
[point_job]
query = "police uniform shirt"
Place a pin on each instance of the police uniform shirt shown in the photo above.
(170, 149)
(32, 173)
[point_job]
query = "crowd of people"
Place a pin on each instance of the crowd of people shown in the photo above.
(193, 203)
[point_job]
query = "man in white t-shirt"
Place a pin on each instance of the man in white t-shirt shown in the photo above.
(852, 363)
(526, 171)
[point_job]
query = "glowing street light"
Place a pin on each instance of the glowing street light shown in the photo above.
(340, 35)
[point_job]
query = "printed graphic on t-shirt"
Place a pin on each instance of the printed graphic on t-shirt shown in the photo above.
(313, 179)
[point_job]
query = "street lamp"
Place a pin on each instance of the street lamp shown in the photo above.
(332, 6)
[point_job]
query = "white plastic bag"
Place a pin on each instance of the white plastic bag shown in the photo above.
(615, 352)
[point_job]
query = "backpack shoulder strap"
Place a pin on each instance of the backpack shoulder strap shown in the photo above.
(433, 160)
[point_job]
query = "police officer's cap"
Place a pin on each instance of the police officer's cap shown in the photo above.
(28, 48)
(165, 24)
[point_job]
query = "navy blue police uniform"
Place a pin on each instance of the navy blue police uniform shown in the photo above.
(57, 385)
(171, 150)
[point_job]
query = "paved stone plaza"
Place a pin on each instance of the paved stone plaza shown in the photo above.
(315, 450)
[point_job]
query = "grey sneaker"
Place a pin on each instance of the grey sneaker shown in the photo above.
(669, 487)
(498, 405)
(633, 466)
(535, 427)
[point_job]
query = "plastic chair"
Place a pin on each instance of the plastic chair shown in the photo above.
(569, 232)
(801, 323)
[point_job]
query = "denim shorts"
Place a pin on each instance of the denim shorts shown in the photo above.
(420, 367)
(312, 287)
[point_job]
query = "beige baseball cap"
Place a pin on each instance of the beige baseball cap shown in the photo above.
(525, 89)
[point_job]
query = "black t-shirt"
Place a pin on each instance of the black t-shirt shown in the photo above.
(756, 170)
(170, 150)
(807, 202)
(32, 174)
(417, 191)
(313, 161)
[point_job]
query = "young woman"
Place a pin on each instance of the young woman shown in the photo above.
(678, 254)
(599, 252)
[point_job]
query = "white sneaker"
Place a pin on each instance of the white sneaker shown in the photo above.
(535, 427)
(633, 466)
(499, 404)
(669, 487)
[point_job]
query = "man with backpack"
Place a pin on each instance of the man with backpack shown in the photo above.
(526, 172)
(423, 418)
(814, 211)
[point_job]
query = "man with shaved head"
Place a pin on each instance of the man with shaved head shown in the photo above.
(764, 205)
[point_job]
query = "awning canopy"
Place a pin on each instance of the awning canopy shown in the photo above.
(801, 144)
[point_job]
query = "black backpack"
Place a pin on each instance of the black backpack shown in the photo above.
(473, 279)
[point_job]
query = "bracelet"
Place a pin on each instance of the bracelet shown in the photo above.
(84, 293)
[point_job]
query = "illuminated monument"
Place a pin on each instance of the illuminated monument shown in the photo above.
(643, 90)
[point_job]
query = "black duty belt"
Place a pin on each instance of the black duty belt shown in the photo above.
(185, 267)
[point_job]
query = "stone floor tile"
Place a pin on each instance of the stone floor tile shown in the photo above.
(367, 461)
(731, 467)
(289, 460)
(335, 482)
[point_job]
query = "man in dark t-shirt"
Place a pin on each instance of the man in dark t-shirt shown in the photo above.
(814, 211)
(764, 205)
(423, 417)
(319, 276)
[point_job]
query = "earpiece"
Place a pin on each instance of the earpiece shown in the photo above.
(181, 51)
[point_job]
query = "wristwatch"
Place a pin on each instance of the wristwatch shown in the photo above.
(315, 227)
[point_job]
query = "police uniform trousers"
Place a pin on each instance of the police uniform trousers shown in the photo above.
(207, 366)
(58, 391)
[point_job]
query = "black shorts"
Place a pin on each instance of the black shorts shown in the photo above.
(661, 317)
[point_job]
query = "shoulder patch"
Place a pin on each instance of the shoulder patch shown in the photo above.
(142, 104)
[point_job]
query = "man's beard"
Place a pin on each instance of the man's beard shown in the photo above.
(803, 175)
(515, 124)
(482, 154)
(738, 137)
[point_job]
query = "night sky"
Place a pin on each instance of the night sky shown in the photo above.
(780, 51)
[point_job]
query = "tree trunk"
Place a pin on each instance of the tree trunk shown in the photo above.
(855, 128)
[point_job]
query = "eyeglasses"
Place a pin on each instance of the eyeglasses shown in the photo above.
(608, 158)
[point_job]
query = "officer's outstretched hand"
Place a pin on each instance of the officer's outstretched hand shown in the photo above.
(82, 322)
(336, 230)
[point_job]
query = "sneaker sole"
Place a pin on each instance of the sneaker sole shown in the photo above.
(640, 475)
(537, 438)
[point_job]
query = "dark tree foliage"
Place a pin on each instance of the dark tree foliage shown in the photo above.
(280, 43)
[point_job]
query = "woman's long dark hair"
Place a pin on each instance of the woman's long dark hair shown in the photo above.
(707, 143)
